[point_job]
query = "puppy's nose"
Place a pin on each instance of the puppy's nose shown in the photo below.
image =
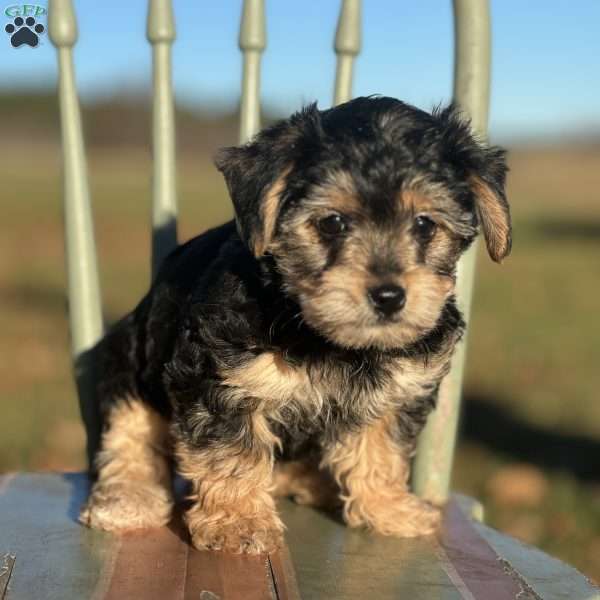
(387, 299)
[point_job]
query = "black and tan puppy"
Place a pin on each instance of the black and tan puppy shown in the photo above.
(299, 350)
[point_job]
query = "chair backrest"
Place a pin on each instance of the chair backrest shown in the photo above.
(471, 92)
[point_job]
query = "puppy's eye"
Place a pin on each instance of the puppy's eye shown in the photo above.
(332, 225)
(424, 227)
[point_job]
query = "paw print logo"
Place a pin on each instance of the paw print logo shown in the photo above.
(24, 32)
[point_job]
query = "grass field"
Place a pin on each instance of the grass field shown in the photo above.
(530, 444)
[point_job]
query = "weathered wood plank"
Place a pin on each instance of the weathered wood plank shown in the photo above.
(547, 577)
(58, 558)
(247, 577)
(474, 561)
(284, 576)
(150, 565)
(203, 577)
(332, 561)
(7, 562)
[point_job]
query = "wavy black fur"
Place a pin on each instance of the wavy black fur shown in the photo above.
(214, 306)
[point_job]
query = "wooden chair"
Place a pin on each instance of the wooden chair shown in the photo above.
(44, 553)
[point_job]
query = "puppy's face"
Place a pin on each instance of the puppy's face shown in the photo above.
(369, 271)
(366, 209)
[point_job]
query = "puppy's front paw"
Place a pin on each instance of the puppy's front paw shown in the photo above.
(122, 507)
(235, 534)
(401, 515)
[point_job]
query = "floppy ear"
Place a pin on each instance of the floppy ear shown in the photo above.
(494, 215)
(255, 185)
(485, 169)
(256, 175)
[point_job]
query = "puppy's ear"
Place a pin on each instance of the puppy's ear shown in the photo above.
(494, 215)
(485, 168)
(256, 175)
(256, 180)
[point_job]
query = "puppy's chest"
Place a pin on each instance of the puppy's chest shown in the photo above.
(355, 390)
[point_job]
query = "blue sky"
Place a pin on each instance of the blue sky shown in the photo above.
(546, 57)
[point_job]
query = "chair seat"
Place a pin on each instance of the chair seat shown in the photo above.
(45, 553)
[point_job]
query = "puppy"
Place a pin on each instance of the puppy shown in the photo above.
(298, 350)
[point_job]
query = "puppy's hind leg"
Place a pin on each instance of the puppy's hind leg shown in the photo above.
(305, 483)
(133, 489)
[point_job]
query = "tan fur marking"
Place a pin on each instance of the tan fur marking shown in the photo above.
(426, 294)
(428, 199)
(306, 484)
(268, 377)
(337, 193)
(133, 490)
(495, 220)
(415, 201)
(373, 472)
(422, 192)
(263, 434)
(233, 509)
(269, 210)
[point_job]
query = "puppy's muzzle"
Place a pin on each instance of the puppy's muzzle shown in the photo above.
(387, 300)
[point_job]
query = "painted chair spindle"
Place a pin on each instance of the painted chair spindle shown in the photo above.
(85, 313)
(435, 452)
(252, 42)
(347, 45)
(161, 34)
